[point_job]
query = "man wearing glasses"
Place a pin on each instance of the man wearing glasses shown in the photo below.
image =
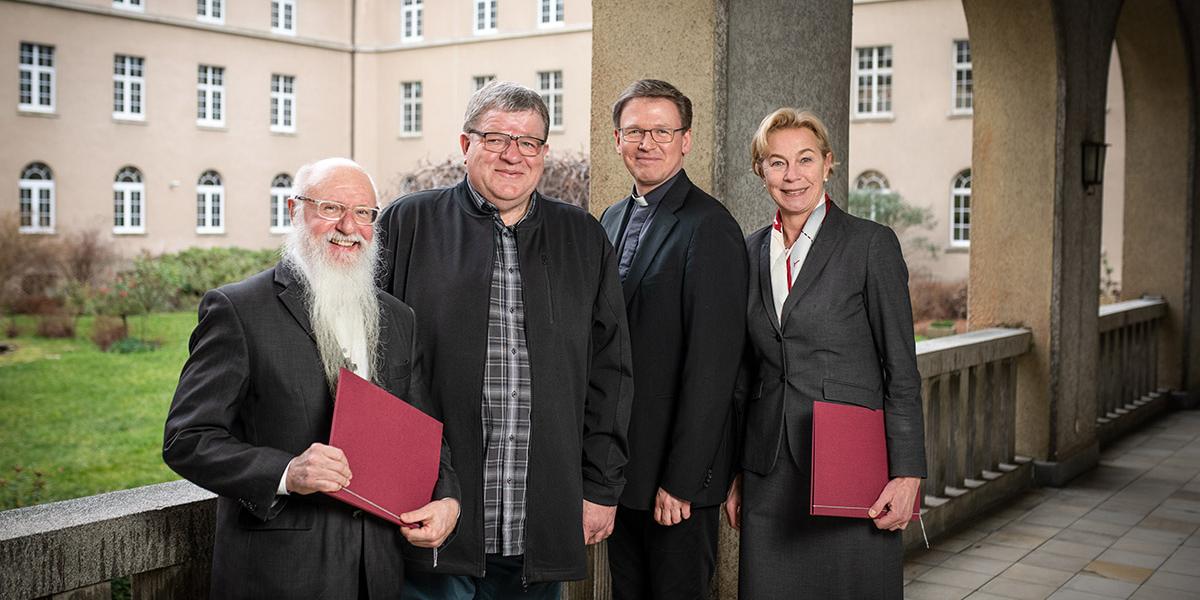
(682, 264)
(518, 302)
(254, 406)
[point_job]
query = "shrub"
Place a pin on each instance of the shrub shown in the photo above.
(12, 330)
(565, 177)
(108, 330)
(84, 256)
(22, 487)
(890, 208)
(55, 326)
(938, 300)
(190, 273)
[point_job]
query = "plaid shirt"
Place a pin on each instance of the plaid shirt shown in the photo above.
(507, 395)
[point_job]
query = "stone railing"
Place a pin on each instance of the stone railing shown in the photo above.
(1128, 365)
(160, 536)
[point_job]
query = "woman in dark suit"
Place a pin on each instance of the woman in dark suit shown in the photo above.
(829, 318)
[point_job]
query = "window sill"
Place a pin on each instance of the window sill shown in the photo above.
(880, 118)
(409, 136)
(963, 249)
(123, 120)
(280, 230)
(211, 126)
(965, 114)
(35, 231)
(551, 25)
(129, 232)
(286, 32)
(485, 31)
(27, 111)
(284, 132)
(210, 232)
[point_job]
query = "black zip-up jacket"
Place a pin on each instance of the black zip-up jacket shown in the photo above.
(438, 249)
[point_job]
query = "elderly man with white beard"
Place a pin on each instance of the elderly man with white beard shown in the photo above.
(252, 412)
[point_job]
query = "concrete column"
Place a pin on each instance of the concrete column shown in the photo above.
(1040, 71)
(1190, 15)
(738, 61)
(1158, 104)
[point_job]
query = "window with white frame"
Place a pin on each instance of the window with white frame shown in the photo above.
(550, 12)
(960, 209)
(283, 103)
(128, 84)
(37, 78)
(210, 11)
(410, 108)
(210, 96)
(134, 5)
(413, 17)
(210, 203)
(283, 17)
(36, 193)
(964, 84)
(129, 201)
(874, 76)
(485, 16)
(873, 182)
(550, 86)
(479, 81)
(281, 190)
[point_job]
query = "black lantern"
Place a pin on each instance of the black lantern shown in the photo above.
(1093, 163)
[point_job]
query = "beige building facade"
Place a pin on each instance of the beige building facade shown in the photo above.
(168, 124)
(911, 109)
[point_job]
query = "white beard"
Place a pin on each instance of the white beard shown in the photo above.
(337, 293)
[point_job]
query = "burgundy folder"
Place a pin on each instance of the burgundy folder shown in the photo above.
(849, 460)
(392, 447)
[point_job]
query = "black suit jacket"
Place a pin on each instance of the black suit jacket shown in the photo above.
(686, 303)
(846, 336)
(251, 396)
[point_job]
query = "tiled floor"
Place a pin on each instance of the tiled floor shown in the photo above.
(1127, 529)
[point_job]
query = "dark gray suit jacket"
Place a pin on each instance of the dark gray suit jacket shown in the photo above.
(251, 396)
(686, 302)
(846, 336)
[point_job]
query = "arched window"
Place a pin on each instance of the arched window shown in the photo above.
(210, 203)
(36, 192)
(129, 201)
(960, 209)
(872, 181)
(281, 188)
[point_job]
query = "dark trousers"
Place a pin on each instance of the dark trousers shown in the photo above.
(502, 580)
(650, 561)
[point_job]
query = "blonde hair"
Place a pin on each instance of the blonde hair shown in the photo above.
(787, 118)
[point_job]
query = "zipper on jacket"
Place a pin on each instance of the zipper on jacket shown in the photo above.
(549, 286)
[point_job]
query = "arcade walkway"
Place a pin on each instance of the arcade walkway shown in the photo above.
(1126, 529)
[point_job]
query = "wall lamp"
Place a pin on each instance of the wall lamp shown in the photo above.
(1093, 163)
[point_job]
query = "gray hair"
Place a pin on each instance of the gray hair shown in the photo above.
(313, 173)
(653, 88)
(505, 96)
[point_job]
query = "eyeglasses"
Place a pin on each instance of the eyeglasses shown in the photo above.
(496, 141)
(334, 211)
(659, 135)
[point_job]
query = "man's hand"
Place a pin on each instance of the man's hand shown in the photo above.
(597, 522)
(893, 509)
(320, 468)
(733, 503)
(436, 519)
(669, 510)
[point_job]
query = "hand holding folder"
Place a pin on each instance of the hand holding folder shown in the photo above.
(849, 460)
(392, 447)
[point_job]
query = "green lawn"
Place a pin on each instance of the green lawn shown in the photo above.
(89, 421)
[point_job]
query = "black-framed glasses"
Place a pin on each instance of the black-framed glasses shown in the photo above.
(498, 141)
(660, 135)
(334, 211)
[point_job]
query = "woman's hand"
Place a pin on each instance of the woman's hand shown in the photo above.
(893, 509)
(733, 503)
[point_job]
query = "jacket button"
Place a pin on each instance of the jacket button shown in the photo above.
(777, 338)
(782, 378)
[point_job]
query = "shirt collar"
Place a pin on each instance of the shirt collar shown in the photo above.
(656, 195)
(484, 205)
(811, 226)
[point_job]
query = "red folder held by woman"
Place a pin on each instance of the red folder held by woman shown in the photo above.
(849, 460)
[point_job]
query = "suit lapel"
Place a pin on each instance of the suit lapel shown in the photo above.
(613, 218)
(828, 238)
(663, 222)
(292, 297)
(764, 279)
